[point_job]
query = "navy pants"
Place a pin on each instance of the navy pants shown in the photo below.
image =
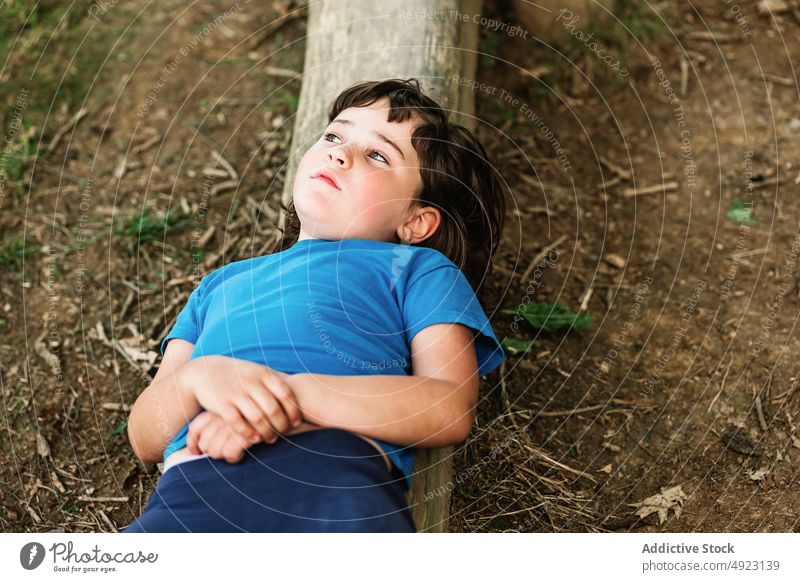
(325, 480)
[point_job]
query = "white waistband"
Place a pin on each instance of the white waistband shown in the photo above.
(172, 460)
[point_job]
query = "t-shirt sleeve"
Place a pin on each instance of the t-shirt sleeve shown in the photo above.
(443, 295)
(187, 325)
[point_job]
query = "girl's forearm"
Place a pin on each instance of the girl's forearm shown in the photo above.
(406, 410)
(158, 414)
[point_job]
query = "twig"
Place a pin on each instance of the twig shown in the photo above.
(711, 36)
(281, 72)
(103, 499)
(684, 75)
(654, 189)
(786, 82)
(108, 521)
(546, 249)
(146, 144)
(557, 413)
(225, 164)
(618, 170)
(276, 25)
(722, 387)
(585, 302)
(223, 186)
(64, 129)
(760, 412)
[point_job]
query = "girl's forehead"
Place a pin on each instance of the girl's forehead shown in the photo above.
(375, 116)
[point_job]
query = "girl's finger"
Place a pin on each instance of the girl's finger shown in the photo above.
(269, 404)
(207, 437)
(257, 420)
(234, 449)
(235, 422)
(196, 427)
(285, 396)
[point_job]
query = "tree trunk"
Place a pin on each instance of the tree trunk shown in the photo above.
(359, 40)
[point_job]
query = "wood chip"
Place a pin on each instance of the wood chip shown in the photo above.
(116, 406)
(42, 446)
(44, 352)
(614, 260)
(33, 514)
(768, 7)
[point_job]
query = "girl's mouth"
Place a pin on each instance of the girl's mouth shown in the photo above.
(328, 178)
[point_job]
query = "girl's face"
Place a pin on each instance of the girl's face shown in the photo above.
(359, 179)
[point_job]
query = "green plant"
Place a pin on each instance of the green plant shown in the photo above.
(552, 316)
(14, 251)
(147, 227)
(120, 428)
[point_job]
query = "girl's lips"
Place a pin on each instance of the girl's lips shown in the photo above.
(327, 181)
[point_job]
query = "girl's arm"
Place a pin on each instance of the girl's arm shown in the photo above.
(163, 407)
(434, 407)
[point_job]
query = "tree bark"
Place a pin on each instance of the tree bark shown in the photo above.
(435, 41)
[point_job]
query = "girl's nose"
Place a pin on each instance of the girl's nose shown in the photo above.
(339, 157)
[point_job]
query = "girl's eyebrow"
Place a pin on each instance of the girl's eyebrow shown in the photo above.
(380, 136)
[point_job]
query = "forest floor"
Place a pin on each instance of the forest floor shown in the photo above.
(667, 215)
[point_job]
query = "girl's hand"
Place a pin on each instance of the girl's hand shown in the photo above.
(210, 434)
(253, 400)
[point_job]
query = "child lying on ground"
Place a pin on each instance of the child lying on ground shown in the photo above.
(294, 385)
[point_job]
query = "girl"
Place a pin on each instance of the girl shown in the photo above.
(294, 385)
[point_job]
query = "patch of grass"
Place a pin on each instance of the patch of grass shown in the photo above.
(633, 23)
(18, 407)
(148, 227)
(38, 39)
(14, 251)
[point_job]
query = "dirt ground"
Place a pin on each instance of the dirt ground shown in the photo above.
(667, 213)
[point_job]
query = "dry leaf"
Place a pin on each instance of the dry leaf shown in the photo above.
(606, 469)
(42, 446)
(661, 503)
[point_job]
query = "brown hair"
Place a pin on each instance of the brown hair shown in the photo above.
(457, 176)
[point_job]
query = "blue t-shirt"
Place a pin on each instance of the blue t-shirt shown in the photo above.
(341, 307)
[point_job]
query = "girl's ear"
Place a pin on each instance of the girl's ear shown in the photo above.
(422, 223)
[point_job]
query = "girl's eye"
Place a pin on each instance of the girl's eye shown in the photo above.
(329, 137)
(377, 153)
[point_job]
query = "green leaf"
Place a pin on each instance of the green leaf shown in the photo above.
(120, 428)
(516, 346)
(740, 212)
(552, 316)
